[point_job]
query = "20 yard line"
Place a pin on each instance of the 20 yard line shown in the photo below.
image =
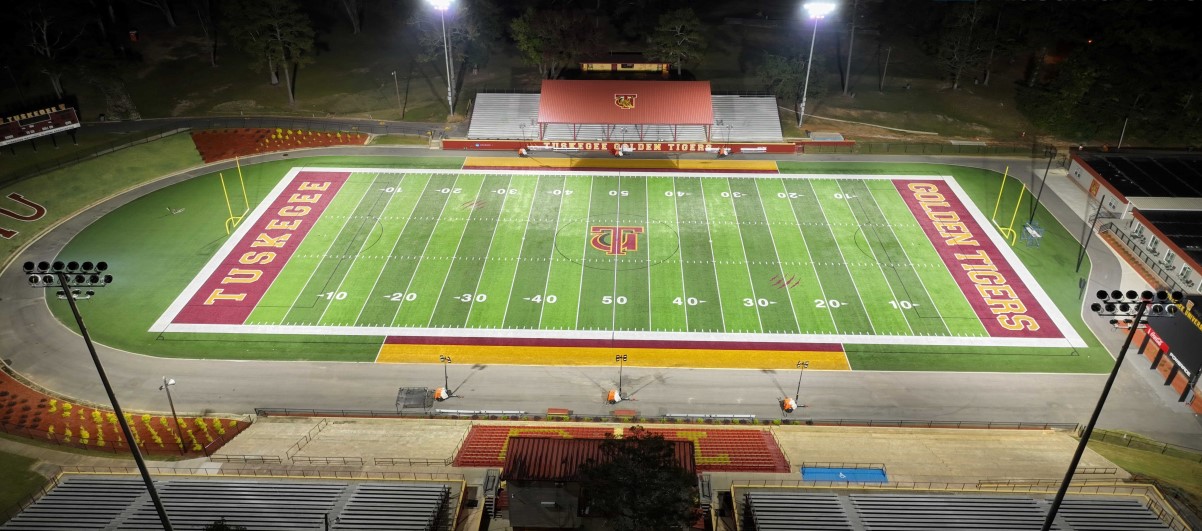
(359, 254)
(806, 244)
(327, 253)
(521, 246)
(430, 238)
(451, 267)
(775, 250)
(392, 248)
(850, 276)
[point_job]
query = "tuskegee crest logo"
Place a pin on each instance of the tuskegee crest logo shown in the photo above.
(615, 239)
(625, 101)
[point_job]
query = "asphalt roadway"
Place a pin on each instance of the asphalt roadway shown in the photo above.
(52, 354)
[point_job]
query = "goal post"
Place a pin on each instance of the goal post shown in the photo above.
(233, 220)
(1008, 232)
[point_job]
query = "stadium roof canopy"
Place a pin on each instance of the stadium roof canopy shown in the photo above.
(616, 103)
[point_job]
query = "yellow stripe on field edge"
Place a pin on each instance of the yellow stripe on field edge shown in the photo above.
(594, 356)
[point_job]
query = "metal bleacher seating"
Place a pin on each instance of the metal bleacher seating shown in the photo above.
(109, 502)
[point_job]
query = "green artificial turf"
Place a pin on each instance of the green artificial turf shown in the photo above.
(179, 245)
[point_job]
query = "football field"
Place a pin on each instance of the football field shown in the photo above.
(561, 255)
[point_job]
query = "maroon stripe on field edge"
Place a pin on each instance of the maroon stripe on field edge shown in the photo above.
(604, 343)
(599, 168)
(991, 285)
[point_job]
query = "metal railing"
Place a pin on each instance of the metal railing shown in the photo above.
(134, 139)
(832, 464)
(273, 472)
(248, 459)
(1150, 261)
(306, 438)
(1136, 442)
(412, 461)
(919, 148)
(666, 419)
(326, 460)
(16, 508)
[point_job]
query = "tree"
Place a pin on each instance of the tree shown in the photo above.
(785, 74)
(553, 39)
(221, 525)
(51, 34)
(679, 38)
(959, 45)
(354, 12)
(274, 31)
(638, 484)
(164, 7)
(208, 26)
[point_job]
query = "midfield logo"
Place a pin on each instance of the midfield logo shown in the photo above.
(615, 239)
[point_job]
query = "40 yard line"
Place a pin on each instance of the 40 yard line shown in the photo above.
(551, 259)
(521, 246)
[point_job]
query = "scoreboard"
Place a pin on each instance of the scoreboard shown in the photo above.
(42, 122)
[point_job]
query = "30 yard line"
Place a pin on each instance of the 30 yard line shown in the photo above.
(392, 248)
(775, 250)
(746, 260)
(451, 267)
(317, 267)
(525, 230)
(860, 296)
(409, 285)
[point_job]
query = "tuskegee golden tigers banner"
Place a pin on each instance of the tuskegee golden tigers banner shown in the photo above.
(625, 101)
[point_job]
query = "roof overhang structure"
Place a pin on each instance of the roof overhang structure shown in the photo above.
(620, 103)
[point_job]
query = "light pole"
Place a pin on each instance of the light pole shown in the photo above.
(70, 276)
(167, 383)
(1111, 304)
(1050, 151)
(444, 392)
(788, 404)
(615, 395)
(397, 85)
(442, 6)
(815, 10)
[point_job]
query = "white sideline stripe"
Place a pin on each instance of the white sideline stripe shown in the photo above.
(754, 337)
(163, 323)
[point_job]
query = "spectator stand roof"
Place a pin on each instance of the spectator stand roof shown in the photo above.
(1181, 227)
(624, 103)
(1137, 174)
(559, 459)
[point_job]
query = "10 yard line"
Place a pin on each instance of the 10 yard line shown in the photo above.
(876, 259)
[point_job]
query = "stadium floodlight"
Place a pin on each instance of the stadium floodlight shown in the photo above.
(442, 6)
(70, 276)
(816, 11)
(444, 392)
(788, 405)
(615, 395)
(1115, 303)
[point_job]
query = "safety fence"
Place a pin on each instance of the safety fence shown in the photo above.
(18, 173)
(306, 438)
(1135, 442)
(922, 148)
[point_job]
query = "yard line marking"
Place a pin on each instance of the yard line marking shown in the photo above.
(851, 276)
(930, 297)
(613, 313)
(892, 292)
(713, 261)
(584, 251)
(684, 287)
(538, 180)
(491, 239)
(779, 267)
(409, 285)
(551, 259)
(647, 256)
(292, 306)
(746, 259)
(451, 267)
(359, 254)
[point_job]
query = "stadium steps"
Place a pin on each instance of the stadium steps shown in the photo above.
(1138, 265)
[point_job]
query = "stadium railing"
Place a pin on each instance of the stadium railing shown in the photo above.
(275, 472)
(671, 419)
(1135, 442)
(24, 172)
